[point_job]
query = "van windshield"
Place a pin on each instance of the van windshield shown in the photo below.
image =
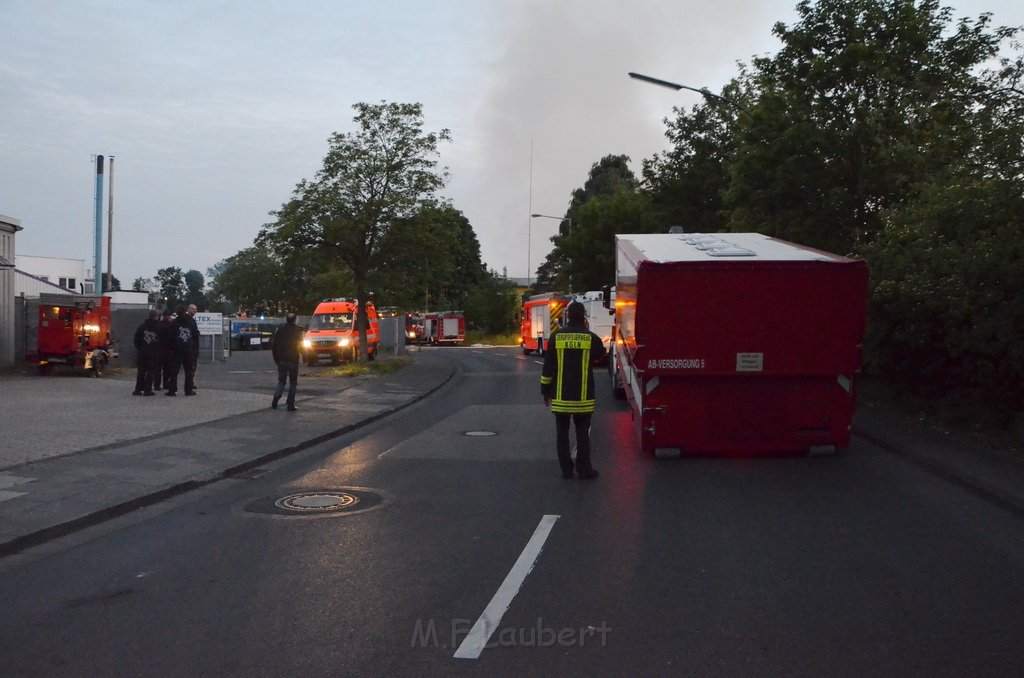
(331, 321)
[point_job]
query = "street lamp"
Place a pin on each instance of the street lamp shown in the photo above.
(568, 231)
(676, 86)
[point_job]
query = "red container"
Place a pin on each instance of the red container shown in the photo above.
(737, 342)
(73, 331)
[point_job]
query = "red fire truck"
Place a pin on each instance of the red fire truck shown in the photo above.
(542, 315)
(414, 328)
(444, 327)
(737, 343)
(73, 331)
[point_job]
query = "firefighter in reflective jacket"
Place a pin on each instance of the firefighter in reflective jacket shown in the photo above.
(567, 384)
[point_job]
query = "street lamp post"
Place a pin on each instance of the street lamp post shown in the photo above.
(568, 230)
(676, 86)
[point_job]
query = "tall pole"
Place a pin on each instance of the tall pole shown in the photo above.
(97, 273)
(110, 230)
(529, 222)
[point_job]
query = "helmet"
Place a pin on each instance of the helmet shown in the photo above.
(576, 312)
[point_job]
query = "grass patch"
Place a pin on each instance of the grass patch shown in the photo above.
(375, 368)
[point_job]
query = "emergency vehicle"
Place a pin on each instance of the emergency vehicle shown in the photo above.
(332, 332)
(413, 328)
(542, 315)
(73, 331)
(600, 314)
(444, 327)
(737, 343)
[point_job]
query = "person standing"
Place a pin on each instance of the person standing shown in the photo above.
(195, 344)
(567, 386)
(147, 347)
(182, 351)
(162, 372)
(285, 345)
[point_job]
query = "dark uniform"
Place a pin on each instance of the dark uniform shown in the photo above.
(147, 346)
(285, 347)
(162, 373)
(567, 384)
(184, 337)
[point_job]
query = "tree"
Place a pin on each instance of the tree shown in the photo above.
(194, 285)
(371, 179)
(111, 283)
(492, 305)
(429, 261)
(570, 264)
(170, 284)
(865, 99)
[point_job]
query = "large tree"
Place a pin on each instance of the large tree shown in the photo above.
(170, 283)
(581, 240)
(430, 261)
(382, 173)
(866, 99)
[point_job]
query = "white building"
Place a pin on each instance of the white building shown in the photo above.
(9, 227)
(69, 274)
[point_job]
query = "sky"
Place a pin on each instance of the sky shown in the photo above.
(215, 109)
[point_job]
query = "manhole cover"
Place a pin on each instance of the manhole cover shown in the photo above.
(312, 503)
(318, 501)
(479, 434)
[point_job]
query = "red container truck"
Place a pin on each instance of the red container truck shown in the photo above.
(737, 343)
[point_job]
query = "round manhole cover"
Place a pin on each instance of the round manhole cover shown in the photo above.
(479, 434)
(318, 501)
(344, 501)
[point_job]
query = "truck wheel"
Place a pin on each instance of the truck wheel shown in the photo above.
(617, 388)
(526, 351)
(44, 370)
(98, 364)
(372, 355)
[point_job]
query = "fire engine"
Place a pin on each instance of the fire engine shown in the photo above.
(73, 331)
(542, 315)
(444, 327)
(332, 332)
(737, 343)
(414, 328)
(600, 314)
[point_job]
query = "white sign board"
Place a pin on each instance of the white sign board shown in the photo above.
(210, 323)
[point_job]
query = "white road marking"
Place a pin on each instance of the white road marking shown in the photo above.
(487, 624)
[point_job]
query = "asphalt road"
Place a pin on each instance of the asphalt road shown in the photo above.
(858, 564)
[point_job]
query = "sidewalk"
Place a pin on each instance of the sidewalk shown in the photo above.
(75, 451)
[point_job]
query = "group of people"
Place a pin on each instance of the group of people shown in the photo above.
(167, 345)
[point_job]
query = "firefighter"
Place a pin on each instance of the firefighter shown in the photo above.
(567, 385)
(147, 346)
